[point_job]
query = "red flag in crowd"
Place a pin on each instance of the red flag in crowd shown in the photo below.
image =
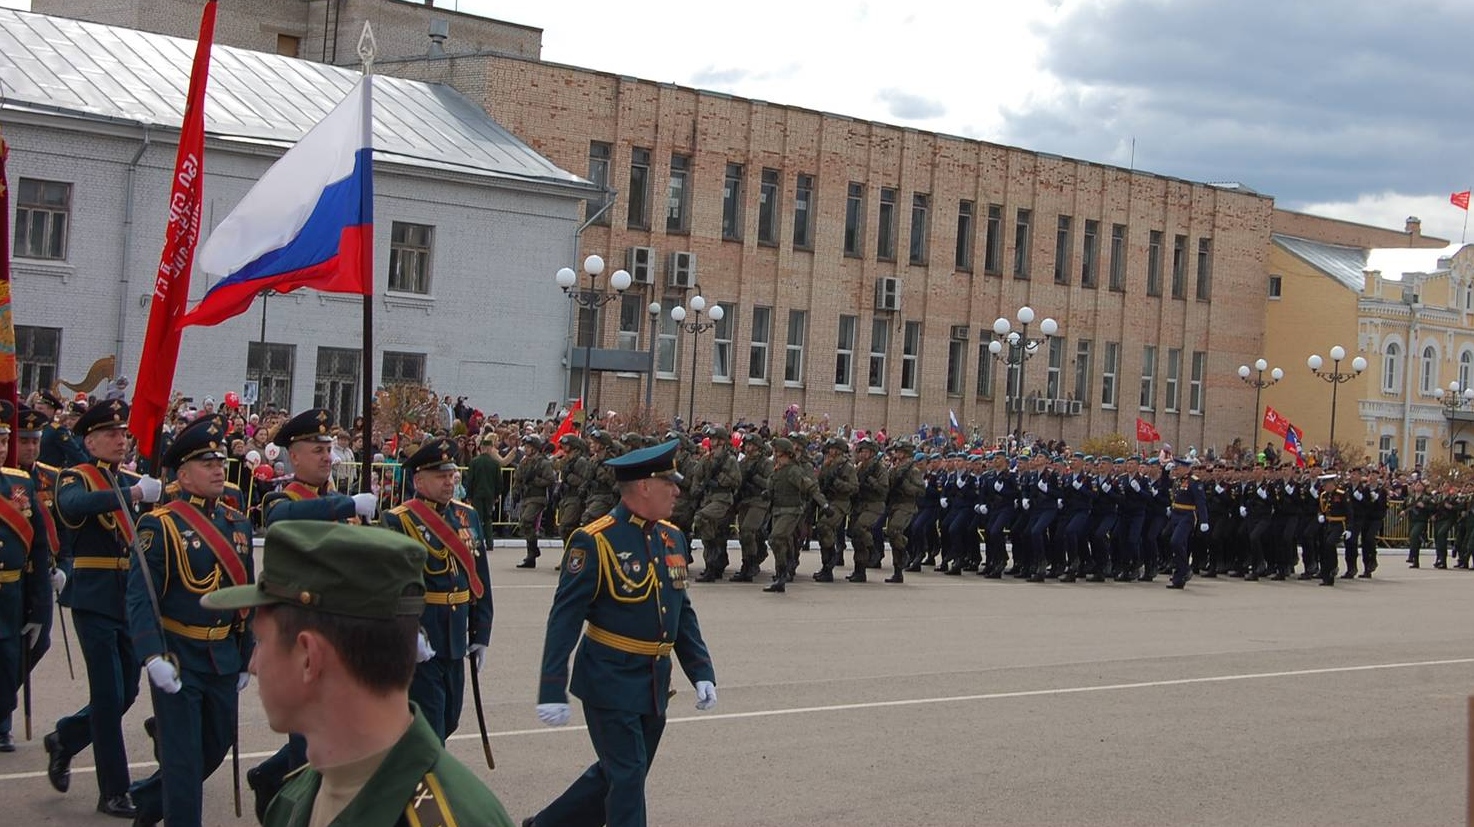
(1293, 439)
(171, 287)
(8, 373)
(1146, 432)
(1275, 422)
(568, 423)
(1460, 200)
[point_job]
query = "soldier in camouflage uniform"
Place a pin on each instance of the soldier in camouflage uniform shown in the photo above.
(752, 507)
(838, 483)
(791, 488)
(906, 482)
(530, 484)
(720, 483)
(576, 474)
(599, 495)
(875, 488)
(691, 467)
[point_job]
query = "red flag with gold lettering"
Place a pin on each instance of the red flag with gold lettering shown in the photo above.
(171, 286)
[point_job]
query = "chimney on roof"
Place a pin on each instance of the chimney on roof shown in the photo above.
(439, 31)
(1414, 227)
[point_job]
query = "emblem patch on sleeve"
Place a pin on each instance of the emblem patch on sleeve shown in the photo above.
(574, 565)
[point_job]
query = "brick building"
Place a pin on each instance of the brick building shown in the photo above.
(860, 265)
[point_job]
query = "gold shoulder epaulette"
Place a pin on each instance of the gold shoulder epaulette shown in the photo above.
(16, 472)
(669, 524)
(455, 501)
(159, 513)
(397, 510)
(598, 525)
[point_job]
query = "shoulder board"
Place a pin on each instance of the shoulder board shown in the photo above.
(230, 486)
(159, 513)
(461, 504)
(397, 510)
(50, 469)
(16, 472)
(670, 525)
(599, 525)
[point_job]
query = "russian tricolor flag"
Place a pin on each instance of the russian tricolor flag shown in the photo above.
(307, 223)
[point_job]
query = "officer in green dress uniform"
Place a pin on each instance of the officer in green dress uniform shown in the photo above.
(625, 576)
(458, 610)
(61, 445)
(25, 577)
(338, 610)
(196, 658)
(308, 440)
(28, 448)
(97, 564)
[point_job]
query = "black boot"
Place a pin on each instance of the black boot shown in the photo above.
(58, 763)
(856, 576)
(744, 574)
(898, 577)
(824, 575)
(777, 586)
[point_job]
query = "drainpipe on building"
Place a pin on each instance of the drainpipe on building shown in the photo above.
(125, 259)
(610, 196)
(1409, 381)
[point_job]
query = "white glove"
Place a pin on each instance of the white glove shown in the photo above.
(1289, 489)
(1044, 486)
(1243, 511)
(1169, 511)
(1135, 486)
(1375, 495)
(1320, 518)
(163, 674)
(149, 489)
(365, 504)
(31, 632)
(1203, 527)
(1218, 489)
(553, 714)
(241, 681)
(998, 486)
(1077, 483)
(423, 650)
(477, 654)
(706, 695)
(944, 502)
(962, 482)
(1026, 503)
(1263, 495)
(980, 509)
(1059, 502)
(58, 579)
(1356, 494)
(1345, 535)
(1106, 487)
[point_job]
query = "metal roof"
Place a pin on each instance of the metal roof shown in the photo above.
(88, 70)
(1346, 265)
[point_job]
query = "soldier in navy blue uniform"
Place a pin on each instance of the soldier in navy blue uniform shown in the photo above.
(1078, 491)
(196, 658)
(1137, 494)
(308, 440)
(1044, 502)
(456, 624)
(998, 508)
(1189, 515)
(1335, 512)
(61, 446)
(25, 578)
(1104, 512)
(98, 502)
(625, 575)
(1155, 523)
(923, 536)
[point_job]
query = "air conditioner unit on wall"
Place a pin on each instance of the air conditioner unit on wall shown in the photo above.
(1015, 404)
(640, 262)
(887, 293)
(1042, 405)
(1076, 408)
(682, 270)
(959, 332)
(1062, 406)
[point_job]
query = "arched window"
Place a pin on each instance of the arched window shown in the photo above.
(1390, 368)
(1466, 369)
(1429, 370)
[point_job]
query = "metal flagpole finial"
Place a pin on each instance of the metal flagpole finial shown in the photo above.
(367, 48)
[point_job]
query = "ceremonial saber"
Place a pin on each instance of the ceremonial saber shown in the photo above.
(66, 642)
(481, 716)
(25, 666)
(235, 756)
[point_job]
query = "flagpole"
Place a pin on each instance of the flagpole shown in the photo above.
(1464, 234)
(9, 372)
(366, 51)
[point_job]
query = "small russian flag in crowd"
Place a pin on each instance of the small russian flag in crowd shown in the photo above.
(954, 426)
(307, 223)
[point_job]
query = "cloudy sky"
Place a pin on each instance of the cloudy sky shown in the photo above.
(1358, 109)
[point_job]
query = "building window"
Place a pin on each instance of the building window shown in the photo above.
(401, 369)
(1062, 251)
(985, 370)
(1148, 399)
(37, 353)
(803, 213)
(721, 347)
(586, 332)
(289, 46)
(1022, 238)
(1205, 269)
(854, 219)
(1428, 372)
(678, 197)
(1466, 369)
(920, 206)
(272, 365)
(880, 345)
(1195, 385)
(599, 153)
(1118, 257)
(844, 354)
(668, 341)
(1056, 367)
(1384, 448)
(732, 204)
(956, 364)
(1090, 253)
(1179, 267)
(1174, 378)
(1420, 452)
(964, 236)
(338, 371)
(1154, 264)
(409, 257)
(1390, 367)
(885, 229)
(631, 312)
(42, 215)
(993, 244)
(1108, 370)
(910, 358)
(638, 216)
(1276, 286)
(762, 334)
(793, 361)
(767, 208)
(1084, 366)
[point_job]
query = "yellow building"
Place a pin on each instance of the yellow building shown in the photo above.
(1407, 311)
